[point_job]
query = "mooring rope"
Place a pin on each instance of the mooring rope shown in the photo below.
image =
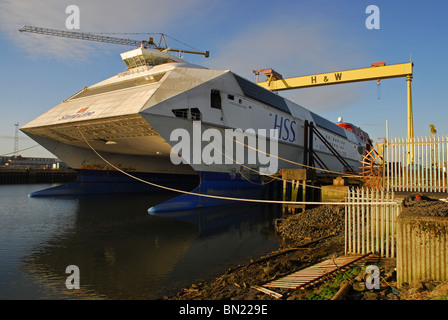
(296, 163)
(208, 195)
(274, 177)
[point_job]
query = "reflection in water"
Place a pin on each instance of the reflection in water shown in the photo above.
(229, 235)
(125, 253)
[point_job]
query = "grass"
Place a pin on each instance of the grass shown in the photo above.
(327, 290)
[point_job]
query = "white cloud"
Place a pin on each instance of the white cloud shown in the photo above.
(293, 47)
(328, 98)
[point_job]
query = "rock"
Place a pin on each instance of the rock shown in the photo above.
(390, 275)
(413, 290)
(266, 270)
(392, 296)
(418, 287)
(421, 285)
(360, 276)
(305, 258)
(359, 286)
(430, 286)
(385, 289)
(370, 296)
(221, 296)
(405, 284)
(252, 295)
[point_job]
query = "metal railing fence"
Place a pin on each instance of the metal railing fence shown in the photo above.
(370, 222)
(416, 164)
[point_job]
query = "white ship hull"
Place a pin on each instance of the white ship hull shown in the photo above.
(129, 119)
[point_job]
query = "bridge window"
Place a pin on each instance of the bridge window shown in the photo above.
(181, 113)
(215, 99)
(195, 114)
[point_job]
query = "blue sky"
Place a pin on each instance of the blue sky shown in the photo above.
(293, 37)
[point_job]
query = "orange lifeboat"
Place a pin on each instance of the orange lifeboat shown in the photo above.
(356, 130)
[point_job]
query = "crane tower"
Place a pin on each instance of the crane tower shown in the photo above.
(16, 140)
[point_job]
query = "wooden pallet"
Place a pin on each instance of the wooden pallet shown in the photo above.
(315, 273)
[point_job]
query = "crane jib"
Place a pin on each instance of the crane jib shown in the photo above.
(100, 38)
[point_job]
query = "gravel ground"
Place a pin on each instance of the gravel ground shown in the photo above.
(424, 205)
(313, 224)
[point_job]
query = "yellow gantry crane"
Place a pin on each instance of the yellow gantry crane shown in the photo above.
(434, 145)
(377, 71)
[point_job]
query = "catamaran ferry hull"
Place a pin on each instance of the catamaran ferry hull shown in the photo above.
(121, 130)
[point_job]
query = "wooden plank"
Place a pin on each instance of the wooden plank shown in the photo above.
(317, 270)
(286, 287)
(268, 292)
(306, 276)
(291, 281)
(294, 279)
(294, 174)
(314, 273)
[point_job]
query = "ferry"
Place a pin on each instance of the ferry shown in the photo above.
(126, 123)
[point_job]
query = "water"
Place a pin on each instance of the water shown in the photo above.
(122, 251)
